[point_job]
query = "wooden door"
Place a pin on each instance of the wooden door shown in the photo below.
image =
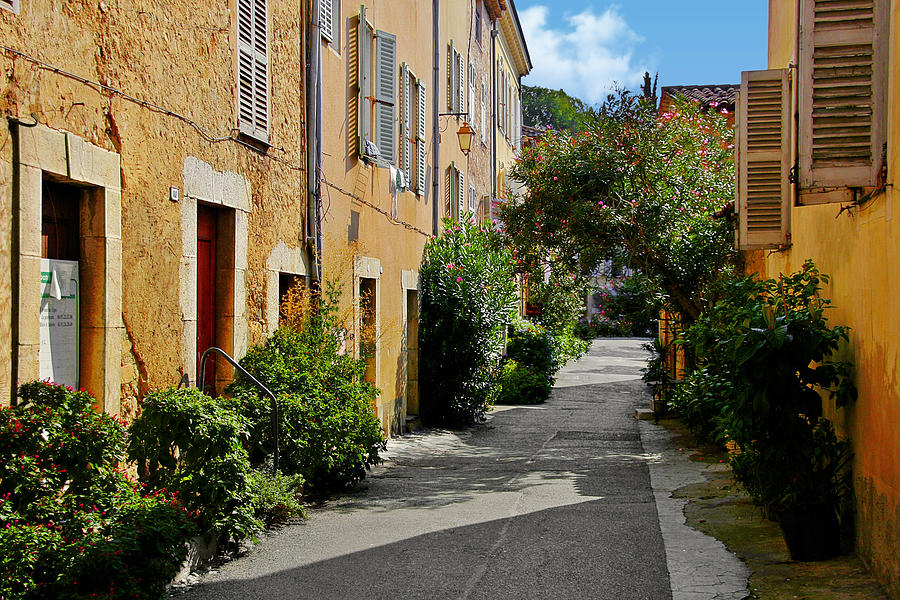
(206, 290)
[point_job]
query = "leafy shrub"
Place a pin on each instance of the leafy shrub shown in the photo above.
(468, 297)
(531, 345)
(186, 441)
(275, 496)
(567, 346)
(329, 431)
(628, 306)
(702, 399)
(71, 524)
(523, 384)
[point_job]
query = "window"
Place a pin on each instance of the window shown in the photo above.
(377, 92)
(477, 24)
(330, 20)
(483, 112)
(253, 69)
(456, 82)
(454, 192)
(842, 79)
(412, 129)
(763, 130)
(472, 76)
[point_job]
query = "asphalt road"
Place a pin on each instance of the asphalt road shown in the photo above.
(541, 502)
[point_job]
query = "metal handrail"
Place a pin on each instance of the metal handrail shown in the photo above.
(256, 382)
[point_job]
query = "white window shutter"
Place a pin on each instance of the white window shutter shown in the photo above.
(460, 83)
(405, 122)
(253, 75)
(843, 77)
(326, 19)
(364, 58)
(451, 76)
(764, 159)
(449, 190)
(385, 94)
(471, 117)
(420, 139)
(483, 112)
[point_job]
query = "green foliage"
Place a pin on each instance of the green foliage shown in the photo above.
(186, 441)
(71, 524)
(275, 496)
(329, 431)
(561, 297)
(543, 108)
(523, 384)
(468, 297)
(530, 345)
(643, 187)
(567, 346)
(702, 401)
(771, 338)
(629, 305)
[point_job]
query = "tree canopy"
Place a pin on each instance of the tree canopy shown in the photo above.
(646, 188)
(543, 108)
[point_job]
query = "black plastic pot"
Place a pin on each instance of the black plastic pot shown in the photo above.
(811, 533)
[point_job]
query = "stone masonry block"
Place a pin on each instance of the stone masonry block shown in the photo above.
(241, 239)
(112, 203)
(81, 159)
(29, 300)
(30, 187)
(188, 284)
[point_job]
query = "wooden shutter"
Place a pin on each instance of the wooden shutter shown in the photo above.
(449, 183)
(471, 116)
(385, 94)
(764, 158)
(420, 139)
(451, 78)
(460, 194)
(460, 83)
(253, 76)
(842, 91)
(483, 112)
(364, 64)
(326, 19)
(405, 121)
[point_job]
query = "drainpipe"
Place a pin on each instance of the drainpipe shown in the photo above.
(436, 133)
(313, 144)
(494, 34)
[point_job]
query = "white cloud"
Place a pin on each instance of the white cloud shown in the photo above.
(588, 58)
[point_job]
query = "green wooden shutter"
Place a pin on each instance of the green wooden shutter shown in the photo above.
(364, 67)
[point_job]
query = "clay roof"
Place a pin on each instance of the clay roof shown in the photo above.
(724, 95)
(495, 8)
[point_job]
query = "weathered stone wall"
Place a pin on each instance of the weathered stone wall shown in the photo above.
(168, 98)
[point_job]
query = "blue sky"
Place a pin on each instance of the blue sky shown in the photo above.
(583, 46)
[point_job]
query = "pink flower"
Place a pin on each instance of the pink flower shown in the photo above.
(459, 278)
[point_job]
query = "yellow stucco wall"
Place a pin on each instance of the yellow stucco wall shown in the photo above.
(859, 248)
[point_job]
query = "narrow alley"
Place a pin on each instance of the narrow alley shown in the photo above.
(559, 500)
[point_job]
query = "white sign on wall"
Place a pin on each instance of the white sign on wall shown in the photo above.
(58, 354)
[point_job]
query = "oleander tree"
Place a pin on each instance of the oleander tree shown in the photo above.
(648, 189)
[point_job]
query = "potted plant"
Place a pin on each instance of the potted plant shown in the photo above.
(791, 460)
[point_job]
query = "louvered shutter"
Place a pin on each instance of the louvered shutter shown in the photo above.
(842, 91)
(364, 60)
(764, 158)
(471, 116)
(483, 112)
(385, 94)
(451, 77)
(460, 83)
(405, 123)
(253, 76)
(420, 139)
(449, 183)
(326, 19)
(460, 194)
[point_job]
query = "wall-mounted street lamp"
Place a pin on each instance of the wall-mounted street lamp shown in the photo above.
(465, 132)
